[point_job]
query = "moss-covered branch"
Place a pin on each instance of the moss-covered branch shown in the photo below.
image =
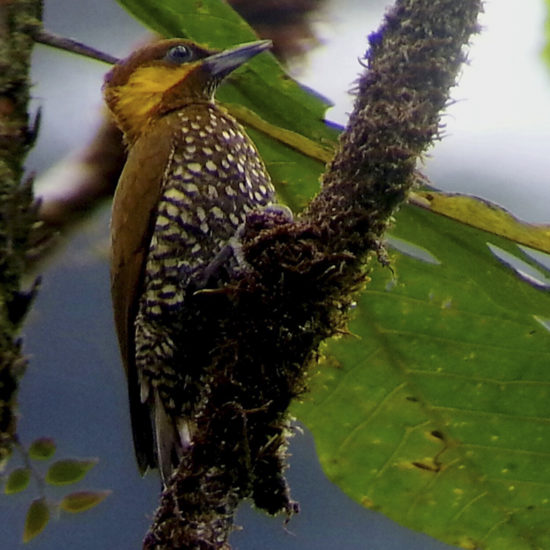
(16, 210)
(413, 62)
(266, 328)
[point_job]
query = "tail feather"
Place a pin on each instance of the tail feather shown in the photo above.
(166, 439)
(184, 432)
(172, 438)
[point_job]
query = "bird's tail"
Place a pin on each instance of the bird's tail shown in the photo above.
(172, 438)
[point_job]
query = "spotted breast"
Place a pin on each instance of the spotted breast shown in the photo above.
(213, 179)
(191, 177)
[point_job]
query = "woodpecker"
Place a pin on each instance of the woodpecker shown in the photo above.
(191, 177)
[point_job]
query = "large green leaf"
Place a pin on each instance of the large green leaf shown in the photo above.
(38, 516)
(482, 214)
(437, 411)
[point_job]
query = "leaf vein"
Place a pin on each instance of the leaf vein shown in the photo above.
(372, 414)
(538, 383)
(541, 419)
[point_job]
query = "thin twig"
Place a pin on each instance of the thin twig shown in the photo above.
(70, 45)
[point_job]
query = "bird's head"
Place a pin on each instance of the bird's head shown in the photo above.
(166, 76)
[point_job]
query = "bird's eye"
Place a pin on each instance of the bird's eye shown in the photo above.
(180, 54)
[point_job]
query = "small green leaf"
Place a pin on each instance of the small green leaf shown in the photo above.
(17, 481)
(38, 516)
(42, 448)
(64, 472)
(83, 500)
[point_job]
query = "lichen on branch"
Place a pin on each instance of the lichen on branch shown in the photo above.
(16, 202)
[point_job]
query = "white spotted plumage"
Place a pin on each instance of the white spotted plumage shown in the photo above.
(213, 180)
(177, 208)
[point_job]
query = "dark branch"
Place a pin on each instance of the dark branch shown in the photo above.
(17, 213)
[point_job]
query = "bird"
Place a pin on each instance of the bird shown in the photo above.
(191, 176)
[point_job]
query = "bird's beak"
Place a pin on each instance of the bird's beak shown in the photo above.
(221, 64)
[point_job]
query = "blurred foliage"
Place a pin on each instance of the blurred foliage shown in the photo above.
(38, 516)
(42, 448)
(65, 472)
(17, 481)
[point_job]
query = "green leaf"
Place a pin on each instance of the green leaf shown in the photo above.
(37, 518)
(437, 411)
(484, 215)
(216, 21)
(65, 472)
(42, 448)
(17, 481)
(83, 500)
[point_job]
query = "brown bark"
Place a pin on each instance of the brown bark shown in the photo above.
(16, 208)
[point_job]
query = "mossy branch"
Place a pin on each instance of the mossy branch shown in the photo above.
(266, 327)
(412, 64)
(16, 203)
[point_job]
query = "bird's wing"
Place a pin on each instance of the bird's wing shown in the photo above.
(133, 218)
